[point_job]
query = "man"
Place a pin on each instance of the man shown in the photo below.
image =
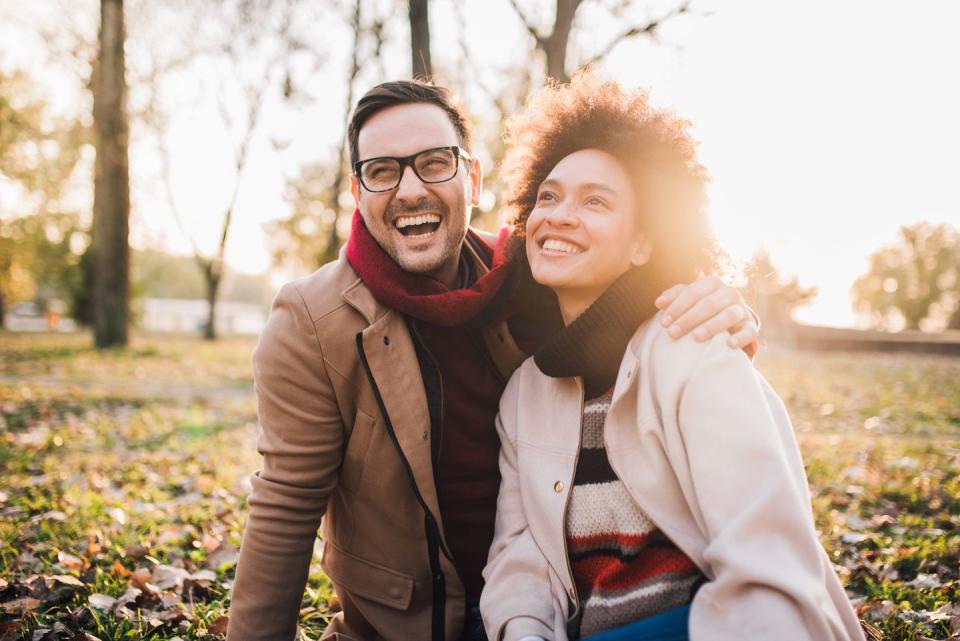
(378, 379)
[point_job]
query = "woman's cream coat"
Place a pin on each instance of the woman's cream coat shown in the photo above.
(705, 446)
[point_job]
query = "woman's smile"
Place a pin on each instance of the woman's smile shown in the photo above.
(555, 246)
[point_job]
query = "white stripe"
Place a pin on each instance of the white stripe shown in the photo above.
(605, 508)
(656, 588)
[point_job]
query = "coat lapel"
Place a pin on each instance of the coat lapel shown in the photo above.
(389, 349)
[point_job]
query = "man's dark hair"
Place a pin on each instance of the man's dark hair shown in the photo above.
(400, 92)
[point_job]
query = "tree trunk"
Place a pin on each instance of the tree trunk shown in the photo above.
(955, 319)
(111, 199)
(420, 38)
(555, 47)
(212, 279)
(332, 247)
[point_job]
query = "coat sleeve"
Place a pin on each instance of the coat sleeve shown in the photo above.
(749, 492)
(517, 600)
(301, 438)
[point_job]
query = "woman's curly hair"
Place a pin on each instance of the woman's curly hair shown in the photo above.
(654, 147)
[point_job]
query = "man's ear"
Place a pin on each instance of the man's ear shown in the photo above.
(476, 182)
(355, 189)
(642, 251)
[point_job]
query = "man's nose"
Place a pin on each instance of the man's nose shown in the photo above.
(410, 187)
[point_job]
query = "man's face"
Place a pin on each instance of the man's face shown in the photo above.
(431, 248)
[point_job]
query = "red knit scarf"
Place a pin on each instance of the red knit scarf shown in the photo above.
(419, 296)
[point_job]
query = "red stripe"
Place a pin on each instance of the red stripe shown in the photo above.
(611, 573)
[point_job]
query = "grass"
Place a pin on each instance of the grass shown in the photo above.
(124, 476)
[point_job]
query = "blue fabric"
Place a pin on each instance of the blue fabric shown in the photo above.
(671, 625)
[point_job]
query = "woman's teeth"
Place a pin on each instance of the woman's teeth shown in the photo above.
(551, 244)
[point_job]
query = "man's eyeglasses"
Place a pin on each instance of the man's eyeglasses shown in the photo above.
(431, 166)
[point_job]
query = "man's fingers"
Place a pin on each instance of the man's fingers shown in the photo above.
(688, 297)
(704, 310)
(730, 319)
(668, 296)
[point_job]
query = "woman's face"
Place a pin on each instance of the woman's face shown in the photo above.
(582, 233)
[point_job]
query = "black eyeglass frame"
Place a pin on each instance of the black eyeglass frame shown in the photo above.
(408, 161)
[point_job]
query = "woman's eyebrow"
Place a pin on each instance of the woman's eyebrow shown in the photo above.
(599, 187)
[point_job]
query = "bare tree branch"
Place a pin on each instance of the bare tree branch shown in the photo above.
(648, 29)
(530, 28)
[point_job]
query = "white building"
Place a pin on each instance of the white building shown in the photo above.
(190, 315)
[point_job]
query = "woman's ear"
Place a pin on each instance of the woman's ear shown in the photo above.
(641, 252)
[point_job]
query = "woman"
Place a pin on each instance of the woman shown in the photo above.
(651, 489)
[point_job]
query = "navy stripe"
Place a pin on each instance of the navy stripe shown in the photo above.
(594, 467)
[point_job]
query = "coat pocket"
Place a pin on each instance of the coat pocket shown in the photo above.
(366, 579)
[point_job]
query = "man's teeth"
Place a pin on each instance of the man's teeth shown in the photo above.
(409, 221)
(561, 246)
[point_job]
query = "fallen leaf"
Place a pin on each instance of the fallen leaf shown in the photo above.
(925, 581)
(334, 604)
(203, 578)
(3, 584)
(219, 626)
(167, 577)
(136, 551)
(70, 561)
(120, 569)
(101, 601)
(128, 597)
(118, 515)
(141, 576)
(21, 606)
(66, 579)
(853, 537)
(225, 555)
(211, 543)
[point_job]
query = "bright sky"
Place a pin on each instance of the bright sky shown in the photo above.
(825, 125)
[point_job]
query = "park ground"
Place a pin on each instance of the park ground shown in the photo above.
(123, 477)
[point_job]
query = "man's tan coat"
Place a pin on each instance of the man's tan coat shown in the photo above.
(345, 435)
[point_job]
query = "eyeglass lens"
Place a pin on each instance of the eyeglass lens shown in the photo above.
(431, 166)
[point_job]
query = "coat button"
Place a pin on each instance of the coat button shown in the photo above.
(558, 487)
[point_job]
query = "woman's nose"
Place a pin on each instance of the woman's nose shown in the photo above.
(563, 215)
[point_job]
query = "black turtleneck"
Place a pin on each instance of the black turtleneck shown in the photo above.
(592, 346)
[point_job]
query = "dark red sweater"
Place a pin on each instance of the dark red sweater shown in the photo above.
(468, 474)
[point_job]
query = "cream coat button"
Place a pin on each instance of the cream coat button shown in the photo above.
(558, 487)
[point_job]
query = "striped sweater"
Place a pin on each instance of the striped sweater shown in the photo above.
(625, 569)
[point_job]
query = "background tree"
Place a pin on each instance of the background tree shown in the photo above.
(773, 295)
(258, 44)
(111, 201)
(420, 38)
(39, 155)
(915, 279)
(321, 207)
(555, 44)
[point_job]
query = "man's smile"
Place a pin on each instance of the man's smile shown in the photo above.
(418, 225)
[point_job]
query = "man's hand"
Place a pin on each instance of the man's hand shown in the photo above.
(708, 306)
